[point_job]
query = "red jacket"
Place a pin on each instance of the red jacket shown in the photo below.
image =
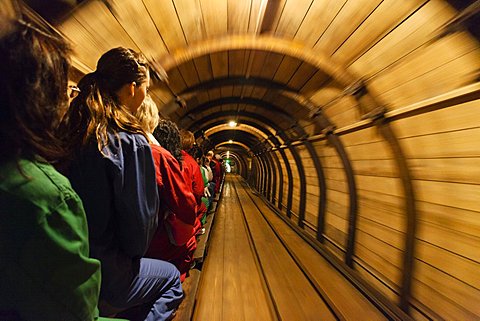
(193, 177)
(175, 195)
(217, 174)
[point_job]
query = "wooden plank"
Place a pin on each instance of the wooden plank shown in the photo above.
(333, 284)
(258, 63)
(189, 74)
(314, 83)
(447, 296)
(219, 62)
(412, 33)
(176, 81)
(380, 285)
(272, 62)
(450, 240)
(92, 37)
(381, 213)
(204, 68)
(383, 19)
(380, 185)
(375, 150)
(317, 20)
(282, 275)
(238, 16)
(450, 263)
(190, 16)
(166, 21)
(453, 170)
(371, 167)
(202, 240)
(254, 15)
(292, 16)
(135, 19)
(350, 17)
(215, 17)
(455, 219)
(225, 292)
(451, 75)
(462, 143)
(384, 262)
(458, 117)
(189, 287)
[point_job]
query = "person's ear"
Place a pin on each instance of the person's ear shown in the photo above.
(131, 88)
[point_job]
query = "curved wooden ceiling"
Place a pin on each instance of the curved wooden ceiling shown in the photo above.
(274, 62)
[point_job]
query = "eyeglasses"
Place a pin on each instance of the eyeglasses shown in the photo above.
(74, 91)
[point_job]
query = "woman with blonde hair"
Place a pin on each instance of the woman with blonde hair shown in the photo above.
(112, 170)
(174, 240)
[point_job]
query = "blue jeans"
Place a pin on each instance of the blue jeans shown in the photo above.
(156, 287)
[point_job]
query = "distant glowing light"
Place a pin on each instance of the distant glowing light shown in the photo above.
(232, 123)
(230, 141)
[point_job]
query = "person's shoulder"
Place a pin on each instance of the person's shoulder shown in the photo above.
(35, 182)
(130, 139)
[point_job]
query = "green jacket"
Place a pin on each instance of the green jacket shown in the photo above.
(45, 269)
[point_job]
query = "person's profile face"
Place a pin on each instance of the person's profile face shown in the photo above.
(140, 92)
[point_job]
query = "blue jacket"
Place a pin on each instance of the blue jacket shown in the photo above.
(119, 193)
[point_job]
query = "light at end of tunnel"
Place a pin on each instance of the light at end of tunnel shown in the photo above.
(232, 123)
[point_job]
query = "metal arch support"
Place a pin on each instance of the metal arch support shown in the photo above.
(327, 129)
(375, 111)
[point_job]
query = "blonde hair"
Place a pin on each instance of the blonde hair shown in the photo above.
(147, 115)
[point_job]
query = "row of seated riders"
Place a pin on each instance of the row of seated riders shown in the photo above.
(105, 158)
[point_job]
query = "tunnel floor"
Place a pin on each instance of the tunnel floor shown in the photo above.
(258, 268)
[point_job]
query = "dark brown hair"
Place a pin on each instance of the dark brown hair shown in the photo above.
(168, 135)
(97, 109)
(187, 138)
(33, 86)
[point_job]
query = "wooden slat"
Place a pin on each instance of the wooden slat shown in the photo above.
(272, 62)
(302, 76)
(215, 17)
(292, 16)
(461, 116)
(219, 62)
(450, 240)
(191, 20)
(189, 287)
(189, 74)
(411, 34)
(165, 18)
(383, 261)
(134, 18)
(451, 74)
(454, 300)
(463, 143)
(317, 20)
(452, 264)
(239, 16)
(282, 275)
(333, 284)
(204, 68)
(225, 292)
(352, 14)
(383, 19)
(456, 219)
